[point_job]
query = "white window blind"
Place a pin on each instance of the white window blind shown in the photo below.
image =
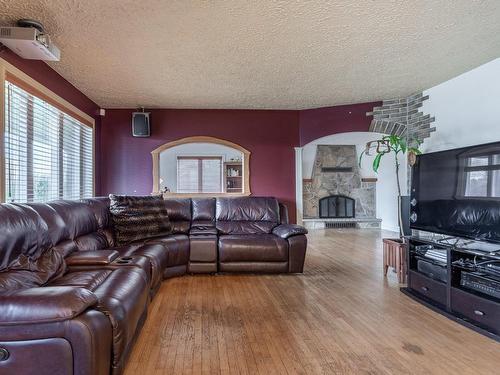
(48, 153)
(199, 174)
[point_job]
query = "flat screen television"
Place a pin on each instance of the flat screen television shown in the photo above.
(457, 192)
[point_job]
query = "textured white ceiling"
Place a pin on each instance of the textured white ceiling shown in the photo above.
(261, 54)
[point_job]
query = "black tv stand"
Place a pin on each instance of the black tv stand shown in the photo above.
(445, 294)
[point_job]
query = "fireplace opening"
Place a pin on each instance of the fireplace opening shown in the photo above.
(336, 206)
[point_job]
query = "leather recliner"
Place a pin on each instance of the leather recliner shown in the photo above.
(251, 238)
(45, 329)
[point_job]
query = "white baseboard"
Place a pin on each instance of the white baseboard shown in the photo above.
(390, 228)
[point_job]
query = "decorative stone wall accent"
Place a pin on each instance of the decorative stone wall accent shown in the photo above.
(348, 183)
(397, 116)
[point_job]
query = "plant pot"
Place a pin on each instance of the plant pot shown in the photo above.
(395, 257)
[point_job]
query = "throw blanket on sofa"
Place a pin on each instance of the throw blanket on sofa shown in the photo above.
(138, 218)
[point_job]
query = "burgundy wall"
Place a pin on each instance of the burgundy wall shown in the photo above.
(270, 136)
(320, 122)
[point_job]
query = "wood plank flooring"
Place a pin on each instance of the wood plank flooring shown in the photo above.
(340, 317)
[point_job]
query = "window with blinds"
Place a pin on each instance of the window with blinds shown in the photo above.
(199, 174)
(48, 153)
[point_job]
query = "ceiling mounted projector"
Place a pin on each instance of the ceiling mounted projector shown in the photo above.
(29, 41)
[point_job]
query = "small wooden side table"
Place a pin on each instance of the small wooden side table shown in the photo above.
(395, 257)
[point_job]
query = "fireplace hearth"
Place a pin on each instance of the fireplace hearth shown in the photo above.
(337, 206)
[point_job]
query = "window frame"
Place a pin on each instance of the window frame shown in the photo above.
(465, 169)
(200, 172)
(9, 72)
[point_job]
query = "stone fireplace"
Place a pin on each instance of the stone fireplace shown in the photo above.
(336, 193)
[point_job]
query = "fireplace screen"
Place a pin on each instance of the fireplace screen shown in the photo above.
(336, 206)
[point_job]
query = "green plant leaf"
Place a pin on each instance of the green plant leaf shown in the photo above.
(376, 162)
(402, 145)
(392, 140)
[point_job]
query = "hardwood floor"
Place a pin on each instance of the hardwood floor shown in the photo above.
(340, 317)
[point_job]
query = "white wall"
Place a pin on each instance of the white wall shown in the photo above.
(387, 207)
(168, 159)
(466, 108)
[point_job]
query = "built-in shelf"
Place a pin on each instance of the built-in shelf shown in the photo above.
(233, 176)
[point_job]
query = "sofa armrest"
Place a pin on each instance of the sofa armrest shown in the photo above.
(289, 230)
(91, 258)
(45, 305)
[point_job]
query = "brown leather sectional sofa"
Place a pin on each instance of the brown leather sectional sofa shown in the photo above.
(71, 302)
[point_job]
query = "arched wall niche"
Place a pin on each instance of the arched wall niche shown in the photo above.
(245, 166)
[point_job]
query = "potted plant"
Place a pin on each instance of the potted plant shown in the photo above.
(392, 145)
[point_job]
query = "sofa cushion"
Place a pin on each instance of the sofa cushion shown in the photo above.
(138, 218)
(77, 216)
(23, 232)
(58, 231)
(252, 248)
(90, 279)
(27, 257)
(100, 208)
(203, 211)
(72, 225)
(246, 215)
(25, 272)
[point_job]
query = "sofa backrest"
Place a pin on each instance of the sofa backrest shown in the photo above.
(27, 257)
(72, 226)
(247, 215)
(100, 207)
(203, 212)
(179, 214)
(22, 232)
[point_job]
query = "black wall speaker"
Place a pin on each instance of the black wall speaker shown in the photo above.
(140, 124)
